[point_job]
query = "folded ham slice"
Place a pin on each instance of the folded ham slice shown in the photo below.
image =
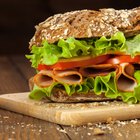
(44, 78)
(68, 76)
(98, 70)
(124, 74)
(125, 80)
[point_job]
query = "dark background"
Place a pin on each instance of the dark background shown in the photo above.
(18, 18)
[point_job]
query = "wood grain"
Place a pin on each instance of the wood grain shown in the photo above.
(10, 78)
(114, 131)
(23, 65)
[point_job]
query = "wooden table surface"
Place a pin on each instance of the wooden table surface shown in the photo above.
(15, 71)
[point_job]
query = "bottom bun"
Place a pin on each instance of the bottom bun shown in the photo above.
(77, 98)
(60, 96)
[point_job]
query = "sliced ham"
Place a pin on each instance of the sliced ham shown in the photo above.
(44, 78)
(68, 76)
(124, 74)
(98, 70)
(125, 79)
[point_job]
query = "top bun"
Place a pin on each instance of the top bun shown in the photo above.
(87, 24)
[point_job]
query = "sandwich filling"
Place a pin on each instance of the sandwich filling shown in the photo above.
(100, 65)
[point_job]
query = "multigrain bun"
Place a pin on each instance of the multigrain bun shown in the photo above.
(87, 24)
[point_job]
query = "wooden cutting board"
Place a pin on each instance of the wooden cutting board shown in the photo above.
(69, 113)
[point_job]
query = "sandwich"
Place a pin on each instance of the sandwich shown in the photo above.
(87, 55)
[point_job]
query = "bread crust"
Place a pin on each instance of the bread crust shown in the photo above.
(77, 97)
(87, 24)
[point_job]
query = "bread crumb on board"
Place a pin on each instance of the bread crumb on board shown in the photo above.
(98, 131)
(61, 130)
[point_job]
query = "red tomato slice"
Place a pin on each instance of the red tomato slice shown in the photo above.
(75, 62)
(123, 59)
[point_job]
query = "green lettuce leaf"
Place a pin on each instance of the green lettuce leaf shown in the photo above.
(72, 47)
(137, 88)
(137, 76)
(137, 92)
(128, 97)
(63, 86)
(45, 54)
(49, 54)
(89, 81)
(115, 43)
(37, 93)
(133, 45)
(106, 84)
(35, 57)
(99, 86)
(83, 88)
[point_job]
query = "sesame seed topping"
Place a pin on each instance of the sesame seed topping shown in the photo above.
(66, 31)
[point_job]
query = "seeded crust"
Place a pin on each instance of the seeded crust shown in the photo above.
(87, 24)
